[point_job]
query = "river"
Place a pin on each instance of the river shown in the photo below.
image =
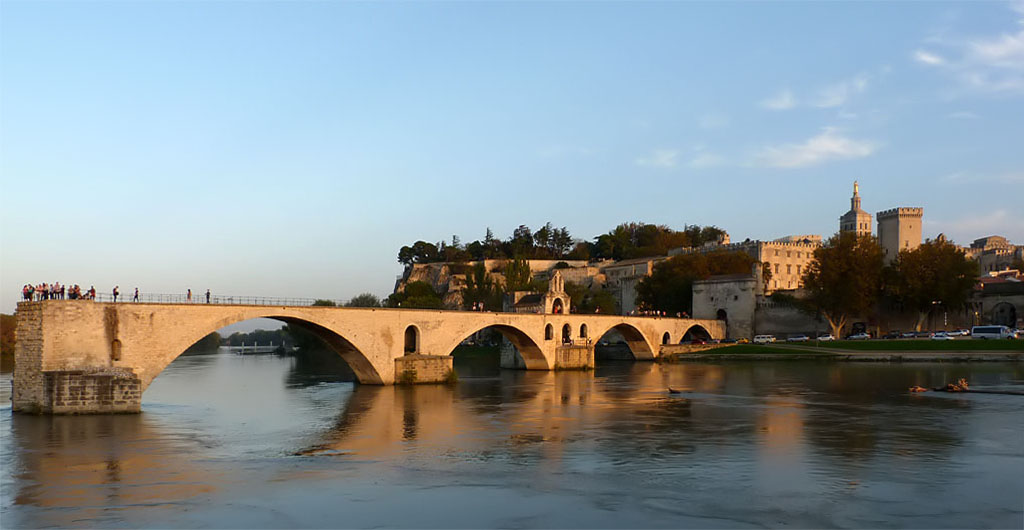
(230, 441)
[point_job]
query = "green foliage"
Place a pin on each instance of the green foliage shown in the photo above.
(669, 288)
(639, 240)
(262, 336)
(584, 300)
(8, 325)
(324, 303)
(480, 288)
(517, 275)
(451, 377)
(364, 300)
(408, 377)
(207, 344)
(935, 273)
(845, 278)
(417, 295)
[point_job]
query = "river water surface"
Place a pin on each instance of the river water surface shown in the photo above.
(231, 441)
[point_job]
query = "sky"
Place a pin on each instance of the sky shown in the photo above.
(291, 148)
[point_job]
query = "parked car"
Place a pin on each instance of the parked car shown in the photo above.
(908, 334)
(961, 333)
(797, 338)
(743, 341)
(859, 336)
(729, 341)
(942, 335)
(763, 339)
(698, 341)
(923, 334)
(826, 337)
(1017, 333)
(991, 332)
(892, 335)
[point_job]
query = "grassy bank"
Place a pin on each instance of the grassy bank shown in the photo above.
(962, 345)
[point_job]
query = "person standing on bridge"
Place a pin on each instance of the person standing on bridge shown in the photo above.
(188, 296)
(207, 296)
(136, 297)
(115, 292)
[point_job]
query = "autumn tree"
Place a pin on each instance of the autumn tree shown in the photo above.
(935, 273)
(845, 278)
(669, 288)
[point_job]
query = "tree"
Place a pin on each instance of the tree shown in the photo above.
(417, 295)
(324, 303)
(480, 288)
(517, 275)
(669, 288)
(766, 274)
(364, 300)
(845, 278)
(935, 273)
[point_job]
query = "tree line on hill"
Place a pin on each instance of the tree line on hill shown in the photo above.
(626, 241)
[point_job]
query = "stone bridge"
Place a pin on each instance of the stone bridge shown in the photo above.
(78, 356)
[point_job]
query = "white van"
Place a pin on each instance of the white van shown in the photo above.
(763, 339)
(990, 332)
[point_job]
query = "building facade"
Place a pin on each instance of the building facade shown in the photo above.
(899, 229)
(994, 253)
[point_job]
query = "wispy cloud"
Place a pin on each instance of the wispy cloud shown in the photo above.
(992, 63)
(713, 121)
(782, 101)
(839, 93)
(660, 158)
(962, 115)
(828, 146)
(705, 160)
(922, 56)
(968, 228)
(1013, 177)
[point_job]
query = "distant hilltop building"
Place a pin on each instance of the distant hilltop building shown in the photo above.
(899, 229)
(786, 258)
(994, 253)
(856, 220)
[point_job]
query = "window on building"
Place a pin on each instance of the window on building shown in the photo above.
(906, 243)
(776, 252)
(789, 269)
(798, 269)
(789, 254)
(776, 268)
(798, 254)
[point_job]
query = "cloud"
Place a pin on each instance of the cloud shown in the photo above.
(992, 63)
(837, 95)
(969, 228)
(705, 160)
(827, 146)
(660, 158)
(782, 101)
(713, 121)
(999, 178)
(928, 58)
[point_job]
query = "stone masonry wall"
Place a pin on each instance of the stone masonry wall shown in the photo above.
(81, 392)
(28, 358)
(574, 357)
(416, 369)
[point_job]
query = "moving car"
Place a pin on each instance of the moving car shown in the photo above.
(763, 339)
(826, 337)
(942, 335)
(859, 336)
(797, 338)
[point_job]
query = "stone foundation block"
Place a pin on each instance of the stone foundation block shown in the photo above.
(417, 369)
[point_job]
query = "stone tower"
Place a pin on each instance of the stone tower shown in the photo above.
(856, 220)
(899, 229)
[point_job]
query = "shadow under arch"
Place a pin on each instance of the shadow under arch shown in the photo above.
(356, 360)
(638, 344)
(695, 331)
(531, 354)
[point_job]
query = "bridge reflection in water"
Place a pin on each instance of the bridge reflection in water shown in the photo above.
(229, 440)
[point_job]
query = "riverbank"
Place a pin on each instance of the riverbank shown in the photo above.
(795, 352)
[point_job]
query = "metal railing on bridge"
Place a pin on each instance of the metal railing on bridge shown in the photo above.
(200, 299)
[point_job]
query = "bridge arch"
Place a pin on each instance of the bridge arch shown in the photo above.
(638, 344)
(529, 350)
(694, 332)
(156, 361)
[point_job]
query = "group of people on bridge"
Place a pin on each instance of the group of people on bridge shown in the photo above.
(56, 291)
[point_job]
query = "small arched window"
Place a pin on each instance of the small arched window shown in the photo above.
(583, 331)
(566, 334)
(666, 338)
(412, 340)
(549, 332)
